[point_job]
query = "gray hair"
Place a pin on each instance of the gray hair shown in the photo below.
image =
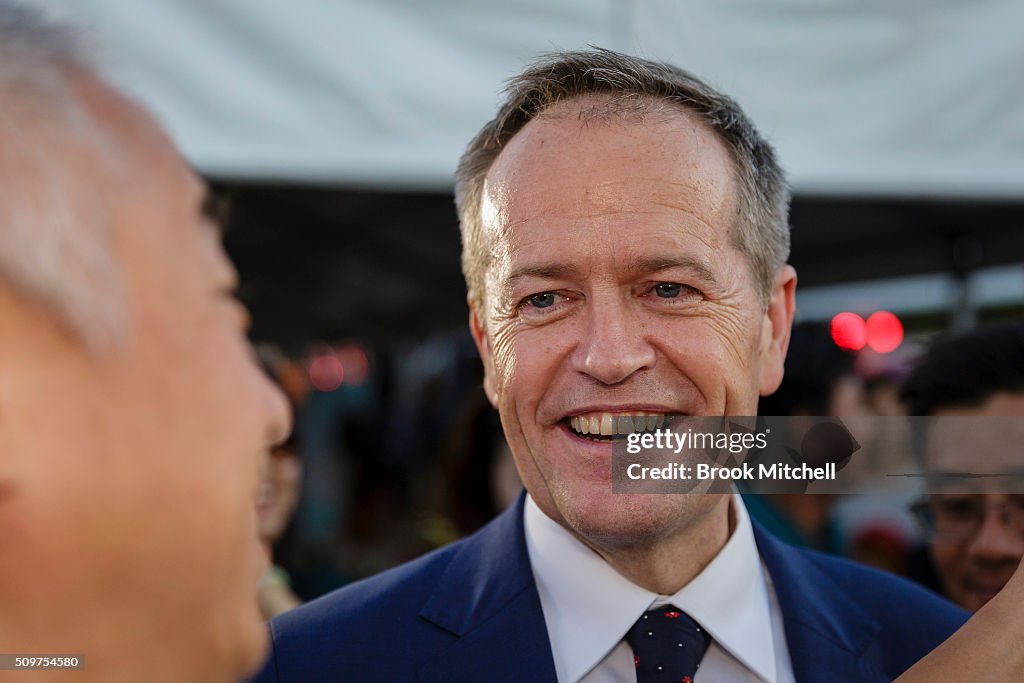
(761, 230)
(55, 242)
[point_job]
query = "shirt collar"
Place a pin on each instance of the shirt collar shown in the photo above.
(589, 607)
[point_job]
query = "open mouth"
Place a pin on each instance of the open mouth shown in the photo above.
(605, 426)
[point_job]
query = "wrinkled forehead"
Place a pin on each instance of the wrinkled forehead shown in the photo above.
(632, 171)
(571, 159)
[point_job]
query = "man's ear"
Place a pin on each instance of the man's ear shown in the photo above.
(776, 327)
(483, 346)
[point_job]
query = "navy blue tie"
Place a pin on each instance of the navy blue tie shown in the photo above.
(667, 646)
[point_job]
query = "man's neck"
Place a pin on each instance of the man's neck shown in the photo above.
(667, 564)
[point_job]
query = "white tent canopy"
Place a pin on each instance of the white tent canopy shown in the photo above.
(919, 97)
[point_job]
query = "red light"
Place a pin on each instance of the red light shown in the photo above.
(849, 331)
(885, 332)
(355, 362)
(326, 372)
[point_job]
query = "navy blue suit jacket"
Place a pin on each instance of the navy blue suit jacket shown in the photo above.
(470, 612)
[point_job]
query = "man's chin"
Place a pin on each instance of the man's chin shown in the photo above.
(603, 518)
(241, 632)
(256, 650)
(243, 645)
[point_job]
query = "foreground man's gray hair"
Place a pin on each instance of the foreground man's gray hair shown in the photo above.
(635, 85)
(54, 241)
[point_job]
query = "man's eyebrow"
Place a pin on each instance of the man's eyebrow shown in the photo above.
(655, 264)
(542, 271)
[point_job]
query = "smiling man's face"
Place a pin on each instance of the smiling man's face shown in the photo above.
(615, 288)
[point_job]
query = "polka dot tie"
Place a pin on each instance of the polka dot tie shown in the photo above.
(667, 646)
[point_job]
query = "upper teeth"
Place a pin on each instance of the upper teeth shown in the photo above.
(608, 424)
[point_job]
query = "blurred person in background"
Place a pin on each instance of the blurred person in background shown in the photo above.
(819, 380)
(823, 379)
(279, 497)
(280, 488)
(476, 476)
(133, 418)
(625, 240)
(976, 540)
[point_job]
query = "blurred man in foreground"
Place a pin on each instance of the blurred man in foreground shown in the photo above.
(973, 385)
(280, 488)
(133, 420)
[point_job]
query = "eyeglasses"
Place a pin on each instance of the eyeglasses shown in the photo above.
(957, 518)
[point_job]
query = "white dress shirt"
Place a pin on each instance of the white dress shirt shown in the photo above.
(589, 607)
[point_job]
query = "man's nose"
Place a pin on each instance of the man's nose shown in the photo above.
(614, 343)
(995, 540)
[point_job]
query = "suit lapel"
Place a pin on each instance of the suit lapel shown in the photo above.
(487, 598)
(828, 635)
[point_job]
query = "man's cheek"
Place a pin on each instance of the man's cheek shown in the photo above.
(505, 355)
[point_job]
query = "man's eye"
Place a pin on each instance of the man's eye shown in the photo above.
(669, 290)
(542, 300)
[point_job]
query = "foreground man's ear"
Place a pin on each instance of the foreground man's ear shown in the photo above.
(776, 328)
(483, 346)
